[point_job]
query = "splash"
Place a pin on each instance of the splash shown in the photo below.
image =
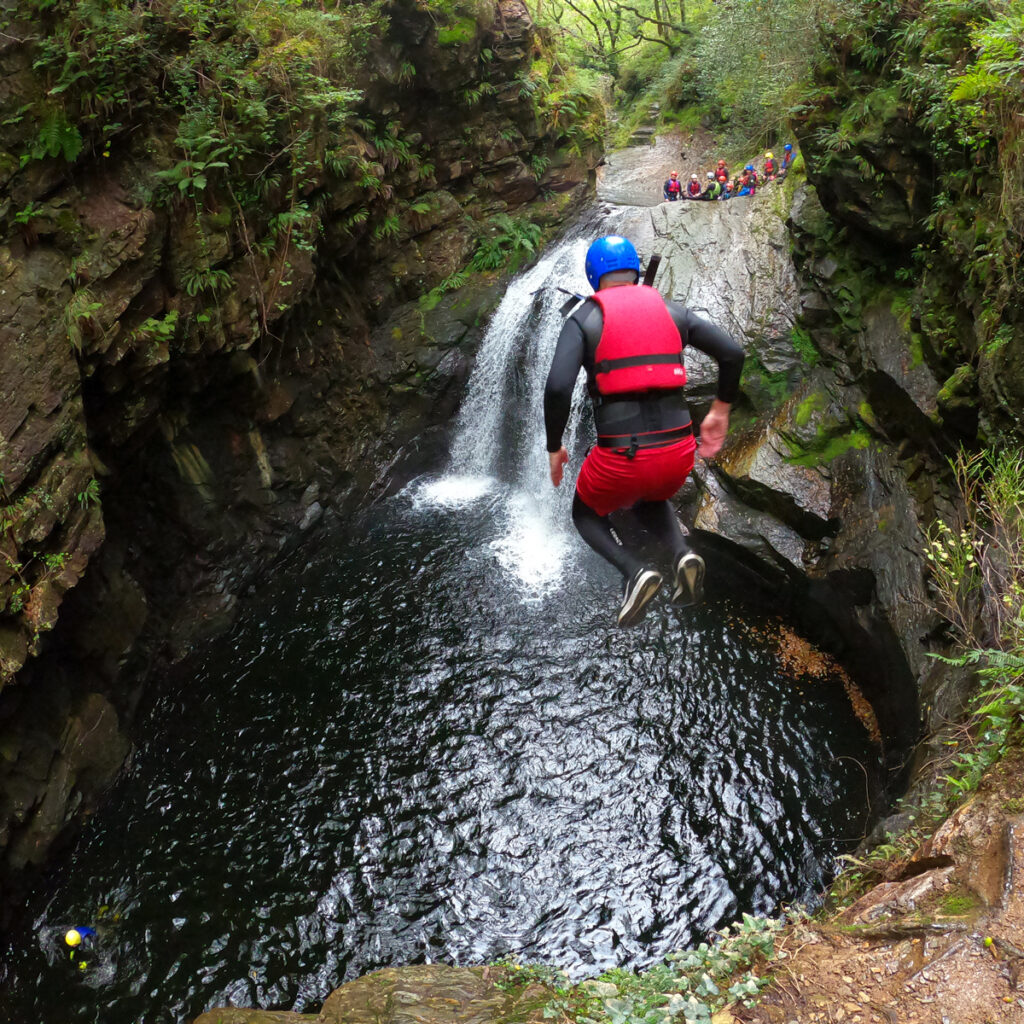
(535, 549)
(451, 491)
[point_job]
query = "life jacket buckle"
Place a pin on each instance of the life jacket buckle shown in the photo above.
(633, 447)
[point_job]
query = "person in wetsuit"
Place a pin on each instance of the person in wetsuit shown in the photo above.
(787, 159)
(630, 341)
(713, 189)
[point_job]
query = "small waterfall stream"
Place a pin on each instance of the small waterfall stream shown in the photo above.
(424, 741)
(499, 439)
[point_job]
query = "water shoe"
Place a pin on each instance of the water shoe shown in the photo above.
(689, 580)
(640, 588)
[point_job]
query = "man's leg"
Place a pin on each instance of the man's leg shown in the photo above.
(641, 583)
(659, 517)
(597, 532)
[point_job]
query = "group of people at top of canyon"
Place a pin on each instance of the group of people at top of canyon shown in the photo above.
(720, 186)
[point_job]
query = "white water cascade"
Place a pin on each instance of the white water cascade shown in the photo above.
(499, 445)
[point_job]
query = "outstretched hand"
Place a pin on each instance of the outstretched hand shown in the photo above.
(556, 464)
(713, 429)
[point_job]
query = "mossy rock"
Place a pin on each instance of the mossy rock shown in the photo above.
(830, 448)
(430, 993)
(462, 30)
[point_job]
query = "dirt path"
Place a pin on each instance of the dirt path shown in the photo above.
(942, 942)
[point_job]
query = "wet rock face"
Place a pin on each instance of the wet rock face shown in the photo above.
(730, 263)
(880, 181)
(839, 525)
(72, 750)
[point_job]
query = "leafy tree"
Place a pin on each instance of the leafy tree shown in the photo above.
(599, 31)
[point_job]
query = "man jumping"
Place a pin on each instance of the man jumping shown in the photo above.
(630, 341)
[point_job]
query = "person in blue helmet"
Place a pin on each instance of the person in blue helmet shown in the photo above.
(630, 342)
(787, 159)
(748, 181)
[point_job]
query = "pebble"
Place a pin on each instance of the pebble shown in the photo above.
(847, 979)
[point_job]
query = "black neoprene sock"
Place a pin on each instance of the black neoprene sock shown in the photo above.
(659, 517)
(597, 532)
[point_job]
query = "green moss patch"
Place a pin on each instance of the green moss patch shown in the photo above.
(804, 346)
(830, 448)
(462, 30)
(814, 402)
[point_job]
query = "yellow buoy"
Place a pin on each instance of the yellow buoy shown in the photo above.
(73, 937)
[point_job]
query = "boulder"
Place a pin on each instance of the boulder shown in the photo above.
(426, 994)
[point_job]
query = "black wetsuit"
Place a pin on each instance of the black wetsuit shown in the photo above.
(653, 411)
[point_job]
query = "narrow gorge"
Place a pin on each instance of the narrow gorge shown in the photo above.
(304, 673)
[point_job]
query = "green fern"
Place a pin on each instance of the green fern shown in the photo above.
(57, 137)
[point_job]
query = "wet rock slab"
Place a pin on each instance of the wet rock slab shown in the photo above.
(425, 994)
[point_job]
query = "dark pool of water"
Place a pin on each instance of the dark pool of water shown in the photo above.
(399, 756)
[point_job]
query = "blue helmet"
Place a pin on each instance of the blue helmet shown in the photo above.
(613, 252)
(749, 167)
(787, 146)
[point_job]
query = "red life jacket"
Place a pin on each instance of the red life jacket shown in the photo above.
(769, 167)
(693, 188)
(673, 187)
(640, 348)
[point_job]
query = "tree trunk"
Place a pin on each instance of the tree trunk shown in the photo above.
(657, 15)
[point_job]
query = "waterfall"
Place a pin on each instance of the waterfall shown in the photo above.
(499, 444)
(501, 420)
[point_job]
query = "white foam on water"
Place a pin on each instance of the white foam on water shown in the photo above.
(534, 551)
(453, 491)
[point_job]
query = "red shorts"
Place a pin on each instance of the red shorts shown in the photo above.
(610, 480)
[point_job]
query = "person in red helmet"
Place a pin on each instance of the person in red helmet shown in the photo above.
(722, 172)
(630, 342)
(673, 188)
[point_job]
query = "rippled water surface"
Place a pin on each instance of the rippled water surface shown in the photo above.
(416, 746)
